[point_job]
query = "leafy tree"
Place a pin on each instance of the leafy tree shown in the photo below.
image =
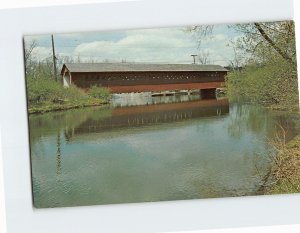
(264, 65)
(265, 41)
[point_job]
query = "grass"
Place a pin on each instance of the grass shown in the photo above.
(285, 170)
(50, 106)
(45, 95)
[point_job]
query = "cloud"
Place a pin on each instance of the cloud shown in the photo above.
(152, 45)
(164, 45)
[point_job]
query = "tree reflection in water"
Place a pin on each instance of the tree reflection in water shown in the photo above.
(174, 148)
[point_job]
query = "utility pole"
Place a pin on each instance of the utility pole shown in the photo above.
(54, 58)
(194, 56)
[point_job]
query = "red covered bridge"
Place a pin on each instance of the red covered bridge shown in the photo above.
(134, 77)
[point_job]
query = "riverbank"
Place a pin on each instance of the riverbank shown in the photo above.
(45, 95)
(65, 105)
(285, 171)
(273, 84)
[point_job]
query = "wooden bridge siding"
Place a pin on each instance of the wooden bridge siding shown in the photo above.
(113, 79)
(166, 87)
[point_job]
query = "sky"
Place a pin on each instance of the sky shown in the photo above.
(158, 45)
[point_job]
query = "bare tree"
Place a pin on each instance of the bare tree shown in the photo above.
(78, 59)
(261, 41)
(239, 56)
(91, 59)
(200, 32)
(203, 57)
(28, 49)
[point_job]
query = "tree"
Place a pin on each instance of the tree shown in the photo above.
(200, 32)
(272, 42)
(239, 57)
(28, 49)
(269, 75)
(203, 57)
(267, 54)
(268, 40)
(260, 40)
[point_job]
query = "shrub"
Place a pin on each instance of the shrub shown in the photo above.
(48, 90)
(273, 83)
(74, 93)
(99, 93)
(39, 90)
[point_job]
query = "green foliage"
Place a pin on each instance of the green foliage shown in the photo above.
(39, 90)
(99, 93)
(48, 90)
(269, 75)
(265, 41)
(274, 83)
(44, 94)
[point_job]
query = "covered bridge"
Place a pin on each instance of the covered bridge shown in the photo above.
(134, 77)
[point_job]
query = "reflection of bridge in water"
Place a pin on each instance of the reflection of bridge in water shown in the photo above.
(145, 115)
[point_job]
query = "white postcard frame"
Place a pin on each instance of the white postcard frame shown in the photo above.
(22, 217)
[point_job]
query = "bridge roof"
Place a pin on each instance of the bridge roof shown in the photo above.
(137, 67)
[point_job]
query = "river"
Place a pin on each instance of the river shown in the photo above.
(142, 148)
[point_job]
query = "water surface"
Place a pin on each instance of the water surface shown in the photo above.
(142, 148)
